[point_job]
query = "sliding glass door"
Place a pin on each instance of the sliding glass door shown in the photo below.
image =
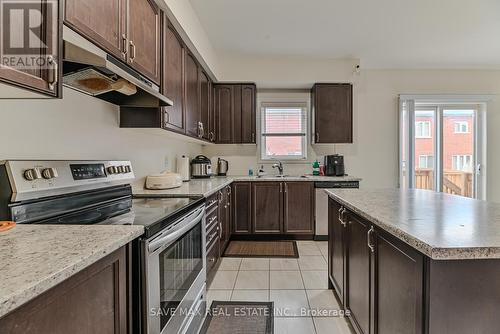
(441, 147)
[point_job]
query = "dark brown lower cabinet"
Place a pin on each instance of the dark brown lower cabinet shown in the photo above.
(357, 298)
(298, 207)
(95, 300)
(398, 286)
(336, 249)
(273, 209)
(241, 211)
(267, 207)
(225, 216)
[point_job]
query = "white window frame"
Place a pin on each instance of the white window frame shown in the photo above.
(407, 108)
(458, 161)
(263, 135)
(423, 125)
(457, 127)
(426, 157)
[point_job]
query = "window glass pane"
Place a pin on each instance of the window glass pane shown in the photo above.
(424, 149)
(458, 152)
(284, 120)
(283, 146)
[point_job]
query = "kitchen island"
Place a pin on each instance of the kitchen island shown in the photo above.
(415, 261)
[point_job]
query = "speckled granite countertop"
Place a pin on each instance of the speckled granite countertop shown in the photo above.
(441, 226)
(36, 258)
(207, 187)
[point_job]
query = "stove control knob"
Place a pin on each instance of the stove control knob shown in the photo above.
(111, 170)
(49, 173)
(120, 169)
(127, 169)
(32, 174)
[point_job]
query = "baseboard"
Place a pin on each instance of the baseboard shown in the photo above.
(264, 237)
(321, 238)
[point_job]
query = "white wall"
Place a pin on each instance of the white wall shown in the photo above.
(82, 127)
(187, 18)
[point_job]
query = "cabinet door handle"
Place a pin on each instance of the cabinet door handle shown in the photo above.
(132, 51)
(253, 137)
(281, 187)
(53, 73)
(342, 217)
(317, 137)
(124, 46)
(286, 187)
(220, 230)
(370, 245)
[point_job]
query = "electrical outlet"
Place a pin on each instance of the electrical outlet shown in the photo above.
(167, 162)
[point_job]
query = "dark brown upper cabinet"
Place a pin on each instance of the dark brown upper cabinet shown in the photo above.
(234, 109)
(173, 79)
(103, 22)
(128, 29)
(45, 45)
(332, 113)
(224, 113)
(248, 97)
(144, 38)
(298, 207)
(205, 101)
(192, 94)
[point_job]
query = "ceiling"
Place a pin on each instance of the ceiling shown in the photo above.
(381, 33)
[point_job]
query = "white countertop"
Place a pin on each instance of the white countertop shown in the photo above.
(209, 186)
(36, 258)
(441, 226)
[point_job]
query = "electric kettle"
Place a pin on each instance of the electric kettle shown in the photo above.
(222, 167)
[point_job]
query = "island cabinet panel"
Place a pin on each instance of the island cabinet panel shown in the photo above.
(298, 207)
(336, 248)
(241, 200)
(98, 293)
(103, 22)
(463, 296)
(398, 286)
(173, 79)
(357, 298)
(267, 207)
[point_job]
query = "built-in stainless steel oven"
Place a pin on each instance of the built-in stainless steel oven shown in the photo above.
(175, 274)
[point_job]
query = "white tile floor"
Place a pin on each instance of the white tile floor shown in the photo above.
(294, 285)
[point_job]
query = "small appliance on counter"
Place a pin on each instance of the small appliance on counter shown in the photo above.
(201, 167)
(164, 180)
(183, 166)
(222, 167)
(334, 165)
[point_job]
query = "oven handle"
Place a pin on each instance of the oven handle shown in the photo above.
(168, 236)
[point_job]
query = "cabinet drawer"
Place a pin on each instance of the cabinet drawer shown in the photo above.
(212, 234)
(212, 255)
(211, 220)
(211, 203)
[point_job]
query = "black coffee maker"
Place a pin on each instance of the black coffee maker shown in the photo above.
(334, 165)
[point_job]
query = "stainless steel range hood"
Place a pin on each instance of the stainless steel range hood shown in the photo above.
(90, 70)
